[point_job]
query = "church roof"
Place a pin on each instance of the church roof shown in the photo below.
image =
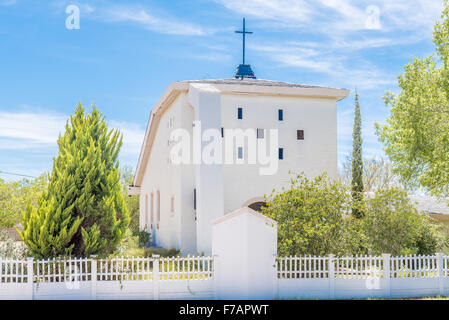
(430, 205)
(254, 82)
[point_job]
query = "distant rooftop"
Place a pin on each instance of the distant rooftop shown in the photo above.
(254, 82)
(430, 205)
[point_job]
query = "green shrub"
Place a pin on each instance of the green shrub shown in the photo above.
(143, 236)
(393, 225)
(310, 217)
(314, 218)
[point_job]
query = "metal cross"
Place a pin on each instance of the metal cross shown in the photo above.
(244, 32)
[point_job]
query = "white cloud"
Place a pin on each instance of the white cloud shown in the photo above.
(25, 131)
(7, 2)
(151, 22)
(39, 129)
(336, 16)
(283, 10)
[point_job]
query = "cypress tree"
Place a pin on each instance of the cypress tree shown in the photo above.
(357, 160)
(83, 211)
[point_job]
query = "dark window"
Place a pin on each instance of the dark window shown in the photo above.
(281, 115)
(260, 134)
(281, 153)
(300, 134)
(194, 199)
(222, 132)
(240, 113)
(240, 153)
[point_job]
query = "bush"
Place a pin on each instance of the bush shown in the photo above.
(314, 218)
(144, 237)
(130, 246)
(310, 217)
(10, 249)
(393, 225)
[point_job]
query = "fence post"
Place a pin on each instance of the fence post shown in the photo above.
(216, 262)
(440, 268)
(276, 277)
(93, 277)
(387, 276)
(30, 275)
(331, 266)
(156, 276)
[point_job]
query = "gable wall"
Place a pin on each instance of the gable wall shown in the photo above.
(314, 155)
(160, 175)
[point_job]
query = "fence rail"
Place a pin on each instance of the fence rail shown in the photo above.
(196, 277)
(362, 267)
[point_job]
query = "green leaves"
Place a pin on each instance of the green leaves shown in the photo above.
(357, 160)
(314, 218)
(83, 211)
(416, 136)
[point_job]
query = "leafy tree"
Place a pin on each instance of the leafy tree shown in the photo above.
(357, 160)
(15, 195)
(310, 217)
(314, 218)
(132, 203)
(393, 225)
(83, 211)
(416, 135)
(9, 249)
(377, 174)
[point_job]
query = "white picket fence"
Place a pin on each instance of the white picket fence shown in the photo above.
(118, 278)
(362, 276)
(194, 277)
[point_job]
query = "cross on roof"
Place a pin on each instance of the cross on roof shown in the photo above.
(244, 33)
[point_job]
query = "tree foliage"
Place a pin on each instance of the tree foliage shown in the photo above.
(314, 218)
(377, 174)
(357, 159)
(416, 135)
(132, 203)
(393, 225)
(83, 211)
(15, 196)
(310, 217)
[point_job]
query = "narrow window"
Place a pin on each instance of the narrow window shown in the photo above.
(194, 199)
(158, 201)
(151, 210)
(260, 134)
(222, 132)
(239, 113)
(300, 134)
(146, 212)
(240, 153)
(281, 115)
(281, 153)
(172, 205)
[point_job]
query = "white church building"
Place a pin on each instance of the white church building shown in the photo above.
(179, 202)
(295, 124)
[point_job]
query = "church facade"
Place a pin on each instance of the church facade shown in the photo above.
(180, 201)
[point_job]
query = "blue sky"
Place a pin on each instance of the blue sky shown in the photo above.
(126, 53)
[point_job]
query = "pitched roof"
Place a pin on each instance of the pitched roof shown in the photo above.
(255, 82)
(431, 205)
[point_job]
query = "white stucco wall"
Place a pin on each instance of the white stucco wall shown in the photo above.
(223, 189)
(244, 243)
(161, 175)
(316, 154)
